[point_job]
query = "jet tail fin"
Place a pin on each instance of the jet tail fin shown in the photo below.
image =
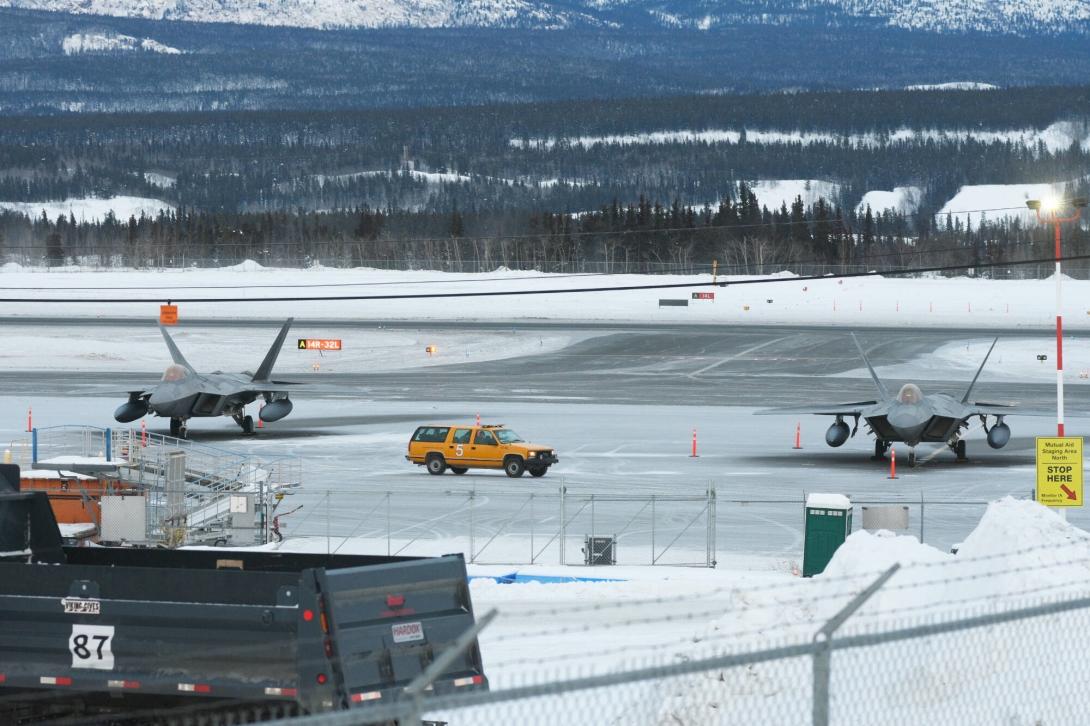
(265, 370)
(881, 386)
(175, 354)
(965, 398)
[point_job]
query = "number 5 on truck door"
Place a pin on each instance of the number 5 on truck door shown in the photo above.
(458, 443)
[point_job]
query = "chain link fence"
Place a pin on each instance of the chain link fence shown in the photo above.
(571, 527)
(1001, 663)
(504, 528)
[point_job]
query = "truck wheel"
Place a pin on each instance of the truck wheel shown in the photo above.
(436, 465)
(514, 466)
(540, 471)
(459, 470)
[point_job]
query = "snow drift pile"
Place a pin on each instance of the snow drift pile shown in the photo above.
(1020, 555)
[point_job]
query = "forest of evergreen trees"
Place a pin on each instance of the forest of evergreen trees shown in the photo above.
(511, 185)
(638, 236)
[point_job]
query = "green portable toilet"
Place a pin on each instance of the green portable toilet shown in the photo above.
(828, 523)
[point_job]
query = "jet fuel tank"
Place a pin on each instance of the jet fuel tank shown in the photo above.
(276, 410)
(999, 436)
(837, 434)
(131, 411)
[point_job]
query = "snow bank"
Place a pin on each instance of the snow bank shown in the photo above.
(97, 42)
(1019, 554)
(852, 303)
(91, 209)
(1005, 201)
(828, 501)
(780, 192)
(903, 200)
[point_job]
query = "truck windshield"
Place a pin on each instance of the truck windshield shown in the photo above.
(506, 436)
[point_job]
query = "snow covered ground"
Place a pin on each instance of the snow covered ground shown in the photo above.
(1058, 136)
(91, 210)
(1020, 554)
(778, 299)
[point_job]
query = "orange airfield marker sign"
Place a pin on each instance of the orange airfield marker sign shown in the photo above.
(168, 314)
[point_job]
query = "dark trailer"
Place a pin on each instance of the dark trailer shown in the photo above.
(87, 630)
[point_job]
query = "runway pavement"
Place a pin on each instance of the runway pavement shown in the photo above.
(620, 407)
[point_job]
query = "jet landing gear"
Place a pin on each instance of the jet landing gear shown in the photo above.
(178, 428)
(880, 449)
(246, 422)
(958, 448)
(912, 457)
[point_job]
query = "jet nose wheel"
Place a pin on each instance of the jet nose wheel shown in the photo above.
(177, 428)
(911, 458)
(248, 425)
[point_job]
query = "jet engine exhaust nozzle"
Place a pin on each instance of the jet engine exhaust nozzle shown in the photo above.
(837, 434)
(276, 410)
(999, 436)
(131, 411)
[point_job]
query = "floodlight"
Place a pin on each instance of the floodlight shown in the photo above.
(1050, 204)
(1078, 202)
(1034, 204)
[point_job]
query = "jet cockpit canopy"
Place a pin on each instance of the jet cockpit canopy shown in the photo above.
(909, 393)
(175, 373)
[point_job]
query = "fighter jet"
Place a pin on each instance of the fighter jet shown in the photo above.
(183, 393)
(912, 417)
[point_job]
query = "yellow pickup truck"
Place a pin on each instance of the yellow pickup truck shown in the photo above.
(461, 448)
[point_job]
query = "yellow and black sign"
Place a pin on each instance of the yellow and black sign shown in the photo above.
(318, 344)
(1059, 471)
(168, 314)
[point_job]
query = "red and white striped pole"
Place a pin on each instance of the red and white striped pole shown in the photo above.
(694, 445)
(1059, 337)
(478, 418)
(893, 463)
(798, 436)
(29, 427)
(143, 432)
(1055, 222)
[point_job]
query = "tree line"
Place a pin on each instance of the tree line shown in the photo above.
(641, 235)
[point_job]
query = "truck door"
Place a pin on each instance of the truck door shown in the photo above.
(458, 450)
(485, 449)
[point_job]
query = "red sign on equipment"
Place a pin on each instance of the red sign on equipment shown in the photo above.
(703, 296)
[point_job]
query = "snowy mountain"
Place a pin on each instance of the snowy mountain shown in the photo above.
(327, 14)
(1018, 17)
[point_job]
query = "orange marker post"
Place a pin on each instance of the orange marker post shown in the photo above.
(798, 436)
(143, 432)
(694, 456)
(893, 463)
(478, 418)
(29, 418)
(260, 421)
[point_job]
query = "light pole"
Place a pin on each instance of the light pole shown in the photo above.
(1051, 206)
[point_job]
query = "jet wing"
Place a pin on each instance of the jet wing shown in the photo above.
(981, 408)
(829, 409)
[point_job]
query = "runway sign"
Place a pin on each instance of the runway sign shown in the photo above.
(318, 344)
(168, 314)
(1059, 471)
(703, 296)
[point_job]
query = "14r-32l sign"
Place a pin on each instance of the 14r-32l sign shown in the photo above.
(318, 344)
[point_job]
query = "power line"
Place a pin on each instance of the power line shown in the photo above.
(724, 269)
(555, 291)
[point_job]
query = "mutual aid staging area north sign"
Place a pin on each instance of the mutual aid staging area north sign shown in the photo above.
(1059, 471)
